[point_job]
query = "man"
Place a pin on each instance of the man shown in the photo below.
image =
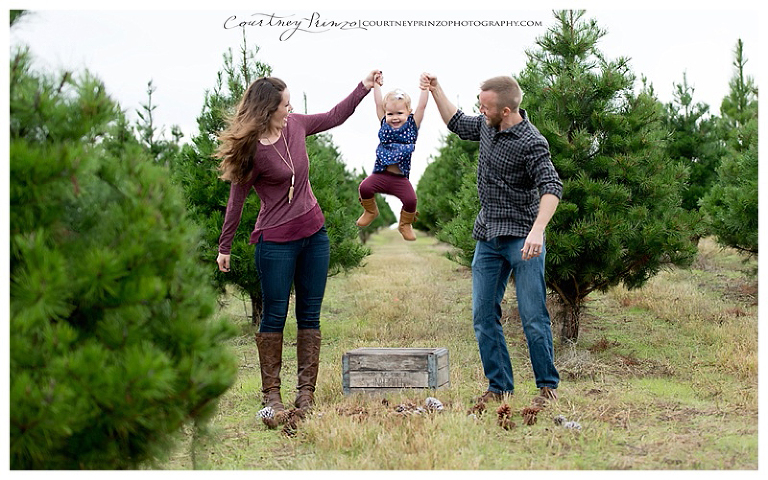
(519, 191)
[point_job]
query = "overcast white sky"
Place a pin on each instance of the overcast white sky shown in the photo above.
(181, 51)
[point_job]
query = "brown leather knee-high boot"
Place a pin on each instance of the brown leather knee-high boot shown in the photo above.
(308, 356)
(270, 345)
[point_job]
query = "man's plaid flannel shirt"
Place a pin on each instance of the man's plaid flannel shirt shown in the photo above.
(514, 170)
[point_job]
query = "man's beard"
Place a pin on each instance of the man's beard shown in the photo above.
(494, 122)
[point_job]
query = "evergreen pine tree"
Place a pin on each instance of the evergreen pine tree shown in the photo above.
(693, 141)
(620, 219)
(152, 138)
(732, 205)
(458, 229)
(112, 348)
(739, 108)
(441, 182)
(196, 170)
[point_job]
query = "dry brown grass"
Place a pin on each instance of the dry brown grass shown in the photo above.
(664, 377)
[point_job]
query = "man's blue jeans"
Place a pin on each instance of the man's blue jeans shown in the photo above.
(492, 264)
(302, 263)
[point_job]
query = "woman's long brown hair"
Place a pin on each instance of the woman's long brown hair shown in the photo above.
(247, 126)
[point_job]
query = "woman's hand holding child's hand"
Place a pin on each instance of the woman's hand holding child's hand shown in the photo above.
(371, 78)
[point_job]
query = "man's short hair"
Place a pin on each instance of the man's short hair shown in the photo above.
(507, 89)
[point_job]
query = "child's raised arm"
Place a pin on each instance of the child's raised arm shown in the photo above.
(418, 114)
(377, 96)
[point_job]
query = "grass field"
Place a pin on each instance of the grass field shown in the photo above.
(662, 378)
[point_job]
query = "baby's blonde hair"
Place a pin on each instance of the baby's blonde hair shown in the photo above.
(397, 94)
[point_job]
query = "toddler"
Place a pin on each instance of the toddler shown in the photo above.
(397, 137)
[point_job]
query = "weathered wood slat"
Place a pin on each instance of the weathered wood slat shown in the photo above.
(388, 379)
(390, 369)
(382, 362)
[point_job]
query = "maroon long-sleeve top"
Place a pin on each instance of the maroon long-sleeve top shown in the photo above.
(271, 178)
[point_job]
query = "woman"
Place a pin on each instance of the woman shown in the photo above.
(263, 148)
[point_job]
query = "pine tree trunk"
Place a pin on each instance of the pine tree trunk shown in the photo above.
(256, 308)
(569, 316)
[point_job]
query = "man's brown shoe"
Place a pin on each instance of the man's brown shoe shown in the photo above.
(489, 396)
(548, 394)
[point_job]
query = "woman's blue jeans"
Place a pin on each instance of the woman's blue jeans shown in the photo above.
(492, 264)
(302, 263)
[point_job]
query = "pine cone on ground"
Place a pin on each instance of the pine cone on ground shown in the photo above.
(409, 408)
(267, 412)
(504, 411)
(289, 430)
(572, 426)
(283, 416)
(267, 415)
(433, 405)
(290, 420)
(477, 410)
(357, 413)
(504, 414)
(529, 415)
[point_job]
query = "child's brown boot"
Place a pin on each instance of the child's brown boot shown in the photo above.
(404, 227)
(370, 213)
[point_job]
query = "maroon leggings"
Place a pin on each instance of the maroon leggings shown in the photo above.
(391, 184)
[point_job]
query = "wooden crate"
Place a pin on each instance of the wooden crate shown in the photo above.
(381, 370)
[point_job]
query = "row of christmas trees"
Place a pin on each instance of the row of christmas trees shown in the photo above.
(643, 181)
